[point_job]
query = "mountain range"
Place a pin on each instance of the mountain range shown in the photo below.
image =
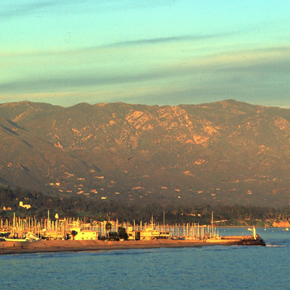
(224, 152)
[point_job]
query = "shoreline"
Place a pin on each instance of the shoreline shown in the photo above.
(45, 246)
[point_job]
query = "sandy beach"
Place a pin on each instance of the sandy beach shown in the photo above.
(90, 245)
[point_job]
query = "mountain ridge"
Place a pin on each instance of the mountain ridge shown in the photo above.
(222, 152)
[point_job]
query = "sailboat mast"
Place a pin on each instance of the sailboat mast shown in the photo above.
(13, 225)
(212, 223)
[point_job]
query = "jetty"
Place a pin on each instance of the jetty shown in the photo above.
(45, 246)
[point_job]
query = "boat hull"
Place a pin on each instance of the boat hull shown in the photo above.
(16, 240)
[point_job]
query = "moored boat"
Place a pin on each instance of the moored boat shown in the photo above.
(16, 240)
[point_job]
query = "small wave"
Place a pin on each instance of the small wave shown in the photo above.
(275, 246)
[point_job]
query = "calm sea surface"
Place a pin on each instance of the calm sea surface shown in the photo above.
(216, 267)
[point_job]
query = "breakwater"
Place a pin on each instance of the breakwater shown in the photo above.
(97, 245)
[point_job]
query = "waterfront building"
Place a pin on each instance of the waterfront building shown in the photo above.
(85, 235)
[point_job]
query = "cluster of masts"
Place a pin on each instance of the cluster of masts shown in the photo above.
(56, 228)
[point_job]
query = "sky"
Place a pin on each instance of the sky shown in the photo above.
(163, 52)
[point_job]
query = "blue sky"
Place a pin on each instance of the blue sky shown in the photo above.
(149, 52)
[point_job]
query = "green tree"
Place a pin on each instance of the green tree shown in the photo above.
(74, 233)
(122, 233)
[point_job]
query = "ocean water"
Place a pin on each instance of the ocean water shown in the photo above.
(214, 267)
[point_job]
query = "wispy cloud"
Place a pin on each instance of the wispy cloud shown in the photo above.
(77, 81)
(158, 40)
(245, 63)
(243, 75)
(121, 44)
(15, 8)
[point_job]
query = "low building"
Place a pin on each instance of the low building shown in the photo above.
(7, 208)
(151, 234)
(53, 235)
(131, 234)
(83, 234)
(27, 206)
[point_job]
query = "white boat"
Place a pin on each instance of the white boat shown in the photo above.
(16, 240)
(28, 237)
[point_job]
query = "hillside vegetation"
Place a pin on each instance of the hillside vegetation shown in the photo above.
(217, 153)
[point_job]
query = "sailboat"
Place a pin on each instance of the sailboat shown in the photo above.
(15, 237)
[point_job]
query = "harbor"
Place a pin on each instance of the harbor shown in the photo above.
(86, 229)
(68, 234)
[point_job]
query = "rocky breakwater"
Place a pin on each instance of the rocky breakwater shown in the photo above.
(244, 240)
(70, 245)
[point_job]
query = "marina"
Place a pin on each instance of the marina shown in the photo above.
(84, 229)
(59, 235)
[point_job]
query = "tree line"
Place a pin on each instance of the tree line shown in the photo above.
(81, 206)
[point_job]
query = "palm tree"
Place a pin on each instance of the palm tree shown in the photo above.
(74, 233)
(108, 228)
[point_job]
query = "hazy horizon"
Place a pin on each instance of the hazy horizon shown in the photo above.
(131, 103)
